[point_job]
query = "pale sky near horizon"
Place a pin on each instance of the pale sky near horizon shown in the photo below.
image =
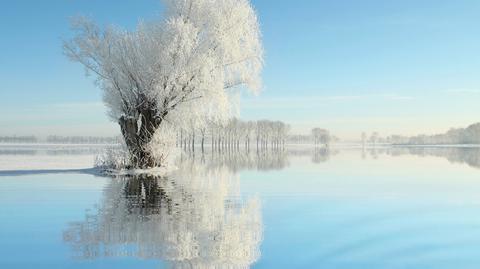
(396, 67)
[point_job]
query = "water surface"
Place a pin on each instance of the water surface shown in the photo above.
(337, 208)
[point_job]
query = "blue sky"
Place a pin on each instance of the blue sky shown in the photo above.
(402, 67)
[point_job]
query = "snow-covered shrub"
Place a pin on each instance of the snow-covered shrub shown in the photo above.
(113, 158)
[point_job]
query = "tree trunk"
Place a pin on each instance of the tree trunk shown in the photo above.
(138, 137)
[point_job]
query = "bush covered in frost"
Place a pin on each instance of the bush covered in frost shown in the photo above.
(113, 158)
(118, 158)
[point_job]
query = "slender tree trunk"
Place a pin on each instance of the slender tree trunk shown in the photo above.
(181, 138)
(193, 141)
(213, 142)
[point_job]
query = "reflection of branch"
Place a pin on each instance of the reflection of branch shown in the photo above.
(262, 160)
(188, 218)
(252, 160)
(467, 155)
(321, 155)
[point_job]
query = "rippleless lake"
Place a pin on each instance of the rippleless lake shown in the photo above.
(303, 208)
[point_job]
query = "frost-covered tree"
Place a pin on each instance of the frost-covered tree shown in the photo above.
(173, 69)
(321, 136)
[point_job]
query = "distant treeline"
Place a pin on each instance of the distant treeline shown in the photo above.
(56, 139)
(312, 139)
(83, 139)
(260, 134)
(18, 139)
(234, 134)
(469, 135)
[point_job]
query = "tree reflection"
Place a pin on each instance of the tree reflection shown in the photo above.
(467, 155)
(194, 218)
(236, 161)
(264, 160)
(321, 155)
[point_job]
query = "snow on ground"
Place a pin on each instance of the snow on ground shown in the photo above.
(47, 157)
(45, 162)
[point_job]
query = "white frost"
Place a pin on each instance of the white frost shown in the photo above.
(184, 65)
(139, 124)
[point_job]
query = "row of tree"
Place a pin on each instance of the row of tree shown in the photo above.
(56, 139)
(234, 134)
(468, 135)
(83, 139)
(18, 139)
(317, 137)
(374, 138)
(321, 136)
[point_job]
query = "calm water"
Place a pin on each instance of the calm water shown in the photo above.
(346, 208)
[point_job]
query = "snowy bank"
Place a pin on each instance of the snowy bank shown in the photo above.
(45, 162)
(43, 157)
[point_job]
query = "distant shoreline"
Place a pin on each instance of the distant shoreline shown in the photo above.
(346, 144)
(438, 145)
(53, 144)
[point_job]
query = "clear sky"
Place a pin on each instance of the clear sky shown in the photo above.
(396, 67)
